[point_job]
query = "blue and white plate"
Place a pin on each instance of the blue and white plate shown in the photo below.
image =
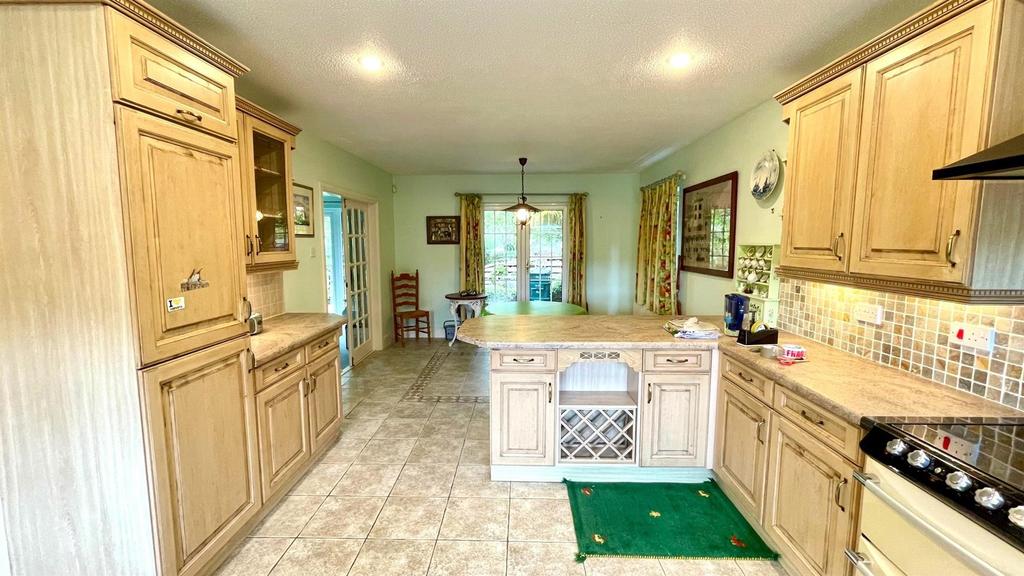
(765, 176)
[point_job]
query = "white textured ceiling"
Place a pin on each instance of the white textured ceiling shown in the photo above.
(578, 86)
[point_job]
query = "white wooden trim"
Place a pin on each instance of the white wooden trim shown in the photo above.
(598, 473)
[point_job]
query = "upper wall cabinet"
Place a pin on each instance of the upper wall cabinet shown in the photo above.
(866, 133)
(266, 146)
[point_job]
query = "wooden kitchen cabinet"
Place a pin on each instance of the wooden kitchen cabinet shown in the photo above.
(522, 418)
(201, 436)
(283, 419)
(674, 419)
(741, 449)
(324, 398)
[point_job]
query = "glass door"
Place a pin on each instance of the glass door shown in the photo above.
(357, 285)
(524, 264)
(274, 233)
(334, 261)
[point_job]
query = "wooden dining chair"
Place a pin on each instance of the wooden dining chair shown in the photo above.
(405, 304)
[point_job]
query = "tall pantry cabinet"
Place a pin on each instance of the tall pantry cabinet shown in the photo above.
(127, 422)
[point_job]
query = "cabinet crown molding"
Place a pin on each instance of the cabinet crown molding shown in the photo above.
(254, 110)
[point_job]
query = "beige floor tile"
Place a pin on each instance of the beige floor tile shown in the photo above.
(341, 517)
(760, 568)
(540, 520)
(478, 429)
(393, 558)
(700, 568)
(452, 558)
(445, 428)
(475, 519)
(436, 450)
(288, 518)
(409, 409)
(344, 450)
(391, 451)
(543, 559)
(599, 566)
(428, 480)
(254, 557)
(321, 479)
(554, 490)
(370, 410)
(359, 428)
(400, 428)
(409, 519)
(475, 482)
(368, 480)
(309, 557)
(453, 410)
(476, 452)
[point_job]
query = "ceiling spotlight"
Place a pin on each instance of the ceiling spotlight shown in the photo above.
(371, 63)
(680, 60)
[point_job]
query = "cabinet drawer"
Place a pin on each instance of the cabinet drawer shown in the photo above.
(837, 434)
(322, 345)
(153, 72)
(280, 367)
(677, 360)
(750, 380)
(523, 360)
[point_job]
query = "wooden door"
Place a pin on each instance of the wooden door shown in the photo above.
(741, 448)
(810, 509)
(674, 420)
(357, 282)
(184, 233)
(523, 419)
(267, 180)
(201, 441)
(924, 107)
(283, 420)
(824, 128)
(325, 410)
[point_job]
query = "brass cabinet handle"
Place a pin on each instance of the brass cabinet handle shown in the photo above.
(744, 378)
(949, 247)
(810, 418)
(323, 344)
(257, 237)
(650, 392)
(674, 361)
(521, 361)
(282, 367)
(188, 115)
(839, 490)
(304, 386)
(315, 385)
(551, 392)
(248, 247)
(760, 425)
(252, 359)
(248, 307)
(835, 246)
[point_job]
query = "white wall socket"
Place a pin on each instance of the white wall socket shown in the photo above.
(973, 336)
(870, 313)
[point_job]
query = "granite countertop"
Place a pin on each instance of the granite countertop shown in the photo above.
(852, 387)
(289, 331)
(587, 331)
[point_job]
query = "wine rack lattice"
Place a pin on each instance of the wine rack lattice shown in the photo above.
(597, 435)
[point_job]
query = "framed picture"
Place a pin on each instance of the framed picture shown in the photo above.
(708, 226)
(442, 229)
(302, 215)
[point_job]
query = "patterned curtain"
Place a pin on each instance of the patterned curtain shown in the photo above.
(471, 246)
(656, 249)
(576, 267)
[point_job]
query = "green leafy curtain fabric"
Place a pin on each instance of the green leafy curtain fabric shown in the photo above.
(576, 267)
(471, 247)
(656, 249)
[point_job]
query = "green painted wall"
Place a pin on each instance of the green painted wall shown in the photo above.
(613, 216)
(735, 146)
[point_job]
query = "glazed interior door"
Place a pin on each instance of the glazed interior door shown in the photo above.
(357, 268)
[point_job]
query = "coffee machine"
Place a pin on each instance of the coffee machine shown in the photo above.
(736, 306)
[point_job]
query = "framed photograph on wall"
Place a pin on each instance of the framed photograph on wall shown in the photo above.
(443, 229)
(302, 217)
(708, 226)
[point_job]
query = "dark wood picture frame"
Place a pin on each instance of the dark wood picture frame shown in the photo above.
(443, 229)
(696, 226)
(304, 211)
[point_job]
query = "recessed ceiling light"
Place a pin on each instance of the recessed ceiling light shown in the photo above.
(679, 60)
(371, 63)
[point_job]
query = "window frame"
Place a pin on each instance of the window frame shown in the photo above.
(523, 246)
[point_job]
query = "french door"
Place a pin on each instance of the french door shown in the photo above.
(357, 267)
(524, 263)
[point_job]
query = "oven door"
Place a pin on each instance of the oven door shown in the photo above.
(905, 530)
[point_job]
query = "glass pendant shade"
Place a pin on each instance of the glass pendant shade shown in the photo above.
(522, 210)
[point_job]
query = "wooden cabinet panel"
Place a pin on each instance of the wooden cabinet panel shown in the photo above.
(674, 420)
(266, 153)
(523, 360)
(279, 367)
(835, 432)
(741, 449)
(677, 361)
(811, 501)
(283, 420)
(323, 345)
(201, 431)
(522, 419)
(325, 411)
(184, 235)
(824, 127)
(924, 107)
(749, 379)
(153, 72)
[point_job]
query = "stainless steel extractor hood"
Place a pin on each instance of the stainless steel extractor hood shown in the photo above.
(1004, 161)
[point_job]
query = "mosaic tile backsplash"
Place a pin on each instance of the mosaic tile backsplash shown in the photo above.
(266, 293)
(913, 336)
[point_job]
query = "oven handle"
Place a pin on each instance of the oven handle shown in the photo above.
(873, 485)
(860, 563)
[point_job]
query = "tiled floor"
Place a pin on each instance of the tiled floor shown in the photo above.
(406, 491)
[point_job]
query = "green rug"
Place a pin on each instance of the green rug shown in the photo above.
(660, 520)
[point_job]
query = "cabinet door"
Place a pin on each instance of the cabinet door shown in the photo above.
(324, 398)
(522, 419)
(283, 420)
(267, 179)
(674, 420)
(184, 233)
(201, 440)
(741, 447)
(924, 106)
(824, 127)
(810, 508)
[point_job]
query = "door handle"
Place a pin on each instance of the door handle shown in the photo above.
(949, 247)
(839, 491)
(248, 245)
(304, 385)
(744, 378)
(248, 308)
(650, 392)
(257, 237)
(835, 246)
(188, 115)
(282, 367)
(252, 359)
(760, 425)
(674, 361)
(521, 361)
(809, 418)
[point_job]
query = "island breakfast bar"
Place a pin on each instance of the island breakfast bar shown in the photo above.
(597, 398)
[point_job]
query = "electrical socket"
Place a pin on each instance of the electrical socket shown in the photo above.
(870, 313)
(959, 446)
(973, 336)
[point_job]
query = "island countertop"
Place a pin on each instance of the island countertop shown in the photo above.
(289, 331)
(587, 331)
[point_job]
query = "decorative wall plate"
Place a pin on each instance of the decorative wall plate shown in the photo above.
(765, 176)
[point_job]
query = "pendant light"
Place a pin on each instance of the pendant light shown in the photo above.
(522, 210)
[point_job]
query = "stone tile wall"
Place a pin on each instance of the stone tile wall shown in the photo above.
(266, 293)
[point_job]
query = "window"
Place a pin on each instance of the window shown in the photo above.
(524, 263)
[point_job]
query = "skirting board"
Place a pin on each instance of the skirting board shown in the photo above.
(595, 473)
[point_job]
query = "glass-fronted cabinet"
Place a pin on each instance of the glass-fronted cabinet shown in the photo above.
(266, 146)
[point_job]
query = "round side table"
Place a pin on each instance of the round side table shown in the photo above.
(456, 300)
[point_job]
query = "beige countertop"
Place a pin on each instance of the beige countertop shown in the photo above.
(587, 331)
(289, 331)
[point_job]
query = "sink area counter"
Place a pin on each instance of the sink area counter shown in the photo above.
(289, 331)
(589, 331)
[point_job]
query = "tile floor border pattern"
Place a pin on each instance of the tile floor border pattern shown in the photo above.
(437, 360)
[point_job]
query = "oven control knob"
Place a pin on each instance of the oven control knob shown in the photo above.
(989, 498)
(958, 481)
(918, 459)
(1017, 516)
(896, 447)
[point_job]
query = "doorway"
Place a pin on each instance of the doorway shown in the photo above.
(357, 285)
(334, 261)
(524, 263)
